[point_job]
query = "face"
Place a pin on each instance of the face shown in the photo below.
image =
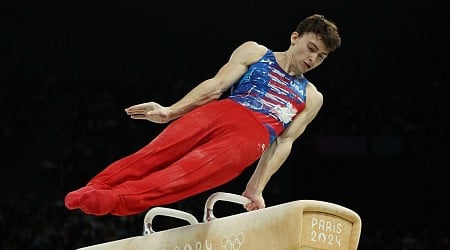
(307, 51)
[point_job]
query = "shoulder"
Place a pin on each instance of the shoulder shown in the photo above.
(252, 45)
(314, 97)
(249, 52)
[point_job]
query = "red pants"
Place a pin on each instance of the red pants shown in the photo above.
(204, 149)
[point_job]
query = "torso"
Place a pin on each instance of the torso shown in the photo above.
(274, 96)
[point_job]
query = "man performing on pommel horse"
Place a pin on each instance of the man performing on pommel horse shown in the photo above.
(209, 140)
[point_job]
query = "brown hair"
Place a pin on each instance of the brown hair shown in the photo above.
(324, 28)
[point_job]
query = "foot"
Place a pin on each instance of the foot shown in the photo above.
(98, 202)
(72, 199)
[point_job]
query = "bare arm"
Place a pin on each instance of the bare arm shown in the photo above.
(207, 91)
(279, 150)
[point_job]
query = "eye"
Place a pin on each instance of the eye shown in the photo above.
(322, 56)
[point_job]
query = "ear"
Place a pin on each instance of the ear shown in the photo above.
(294, 37)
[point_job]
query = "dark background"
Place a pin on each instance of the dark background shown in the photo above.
(70, 68)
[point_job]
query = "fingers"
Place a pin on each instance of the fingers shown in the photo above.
(136, 107)
(138, 117)
(136, 113)
(135, 110)
(150, 111)
(251, 206)
(142, 108)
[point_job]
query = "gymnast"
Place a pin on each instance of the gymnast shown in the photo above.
(210, 140)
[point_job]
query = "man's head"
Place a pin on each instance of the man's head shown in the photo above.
(325, 29)
(314, 38)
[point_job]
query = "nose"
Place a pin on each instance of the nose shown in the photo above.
(312, 57)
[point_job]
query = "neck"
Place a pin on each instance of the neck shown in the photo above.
(285, 63)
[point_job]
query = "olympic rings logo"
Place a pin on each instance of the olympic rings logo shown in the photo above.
(232, 241)
(198, 246)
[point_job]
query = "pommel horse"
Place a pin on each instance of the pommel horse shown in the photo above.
(301, 224)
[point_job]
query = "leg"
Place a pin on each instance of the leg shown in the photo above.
(219, 138)
(228, 149)
(206, 167)
(174, 142)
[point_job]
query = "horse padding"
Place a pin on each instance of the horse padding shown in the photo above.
(301, 224)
